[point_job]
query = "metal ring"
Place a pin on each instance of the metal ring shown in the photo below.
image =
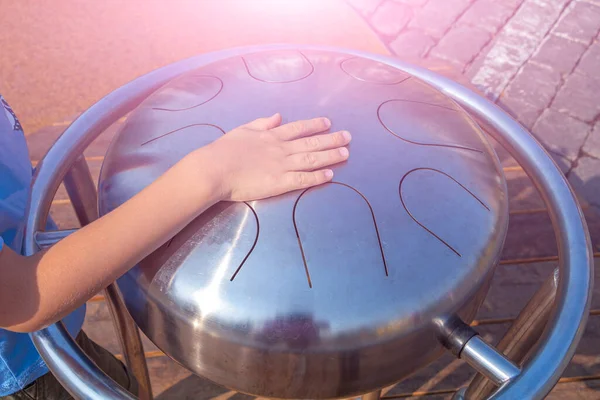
(566, 324)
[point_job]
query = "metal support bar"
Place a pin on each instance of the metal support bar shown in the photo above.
(520, 339)
(47, 239)
(376, 395)
(82, 192)
(55, 347)
(488, 361)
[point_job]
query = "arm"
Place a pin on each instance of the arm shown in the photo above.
(258, 160)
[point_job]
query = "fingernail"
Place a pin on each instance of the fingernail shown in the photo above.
(344, 152)
(346, 135)
(327, 122)
(328, 173)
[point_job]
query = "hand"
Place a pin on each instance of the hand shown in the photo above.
(264, 158)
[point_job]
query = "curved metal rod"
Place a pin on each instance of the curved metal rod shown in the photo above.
(376, 395)
(521, 337)
(488, 361)
(74, 369)
(82, 192)
(566, 323)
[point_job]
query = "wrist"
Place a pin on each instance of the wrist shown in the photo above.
(206, 176)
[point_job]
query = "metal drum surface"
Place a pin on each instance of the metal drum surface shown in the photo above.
(329, 292)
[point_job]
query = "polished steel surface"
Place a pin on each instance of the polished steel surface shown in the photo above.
(572, 304)
(522, 336)
(73, 369)
(488, 361)
(81, 190)
(261, 297)
(82, 193)
(454, 333)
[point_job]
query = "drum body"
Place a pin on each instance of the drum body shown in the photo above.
(336, 290)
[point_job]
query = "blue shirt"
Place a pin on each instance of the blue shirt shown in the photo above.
(20, 363)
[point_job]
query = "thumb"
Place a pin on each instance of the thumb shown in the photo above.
(265, 123)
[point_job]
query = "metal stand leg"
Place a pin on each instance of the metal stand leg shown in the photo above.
(82, 192)
(520, 339)
(372, 396)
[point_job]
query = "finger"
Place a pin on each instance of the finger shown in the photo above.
(303, 180)
(298, 129)
(319, 142)
(317, 159)
(265, 123)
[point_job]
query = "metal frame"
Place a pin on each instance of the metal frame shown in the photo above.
(566, 317)
(519, 340)
(84, 198)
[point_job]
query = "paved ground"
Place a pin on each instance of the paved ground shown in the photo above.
(539, 59)
(536, 58)
(57, 59)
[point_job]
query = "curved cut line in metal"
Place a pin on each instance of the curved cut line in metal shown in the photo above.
(364, 80)
(197, 105)
(454, 146)
(253, 244)
(300, 241)
(417, 221)
(312, 69)
(179, 129)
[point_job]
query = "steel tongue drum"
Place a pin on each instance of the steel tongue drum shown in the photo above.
(332, 291)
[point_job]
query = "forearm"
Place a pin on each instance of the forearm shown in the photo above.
(51, 284)
(258, 160)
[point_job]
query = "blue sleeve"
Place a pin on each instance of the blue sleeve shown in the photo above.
(1, 243)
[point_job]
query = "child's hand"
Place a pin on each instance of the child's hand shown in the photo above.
(264, 158)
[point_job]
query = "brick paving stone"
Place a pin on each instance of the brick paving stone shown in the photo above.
(560, 133)
(564, 164)
(490, 15)
(415, 3)
(502, 62)
(559, 53)
(536, 17)
(512, 3)
(412, 44)
(515, 43)
(523, 112)
(592, 144)
(534, 85)
(581, 22)
(390, 18)
(479, 61)
(590, 62)
(585, 179)
(366, 7)
(579, 96)
(461, 44)
(437, 16)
